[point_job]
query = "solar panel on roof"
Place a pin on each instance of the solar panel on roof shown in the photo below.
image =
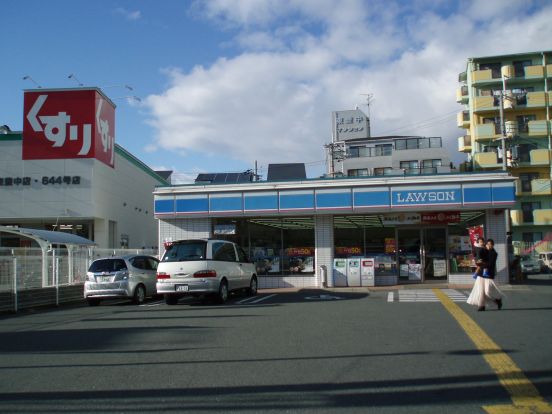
(224, 178)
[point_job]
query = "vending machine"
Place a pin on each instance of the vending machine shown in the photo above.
(353, 272)
(340, 272)
(367, 272)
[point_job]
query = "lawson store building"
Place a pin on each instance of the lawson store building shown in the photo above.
(302, 233)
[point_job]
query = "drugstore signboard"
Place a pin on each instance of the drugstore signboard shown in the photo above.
(66, 124)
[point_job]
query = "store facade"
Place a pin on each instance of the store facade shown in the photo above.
(64, 172)
(315, 233)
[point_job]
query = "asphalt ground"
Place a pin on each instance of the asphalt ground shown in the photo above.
(302, 351)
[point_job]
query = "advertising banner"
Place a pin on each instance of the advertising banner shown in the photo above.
(441, 217)
(348, 251)
(67, 124)
(401, 218)
(475, 232)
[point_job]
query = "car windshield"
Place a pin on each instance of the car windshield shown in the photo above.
(108, 265)
(185, 251)
(526, 258)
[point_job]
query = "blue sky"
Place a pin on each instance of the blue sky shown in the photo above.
(223, 83)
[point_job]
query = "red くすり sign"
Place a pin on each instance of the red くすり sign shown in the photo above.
(73, 123)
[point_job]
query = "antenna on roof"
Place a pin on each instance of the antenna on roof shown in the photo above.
(27, 77)
(369, 100)
(72, 76)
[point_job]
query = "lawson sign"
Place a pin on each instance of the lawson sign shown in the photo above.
(405, 197)
(248, 201)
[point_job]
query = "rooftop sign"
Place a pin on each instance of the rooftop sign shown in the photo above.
(70, 123)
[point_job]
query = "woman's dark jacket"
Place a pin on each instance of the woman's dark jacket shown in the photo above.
(491, 262)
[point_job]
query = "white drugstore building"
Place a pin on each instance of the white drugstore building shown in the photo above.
(321, 232)
(65, 172)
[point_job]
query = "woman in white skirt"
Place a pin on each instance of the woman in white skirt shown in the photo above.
(484, 289)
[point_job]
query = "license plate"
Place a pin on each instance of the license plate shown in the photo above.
(105, 279)
(181, 288)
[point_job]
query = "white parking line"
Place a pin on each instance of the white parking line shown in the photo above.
(390, 296)
(252, 300)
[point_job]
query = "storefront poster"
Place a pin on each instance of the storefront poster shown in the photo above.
(413, 271)
(459, 244)
(225, 229)
(439, 268)
(390, 245)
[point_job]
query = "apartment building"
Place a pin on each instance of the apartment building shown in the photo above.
(355, 153)
(506, 118)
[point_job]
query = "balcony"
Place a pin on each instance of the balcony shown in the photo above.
(542, 216)
(539, 157)
(484, 103)
(534, 72)
(486, 131)
(485, 75)
(485, 160)
(465, 143)
(463, 77)
(541, 186)
(549, 71)
(462, 94)
(536, 217)
(537, 128)
(463, 119)
(536, 99)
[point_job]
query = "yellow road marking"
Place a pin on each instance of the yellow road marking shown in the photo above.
(524, 395)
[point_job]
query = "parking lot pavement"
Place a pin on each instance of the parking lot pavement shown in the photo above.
(299, 352)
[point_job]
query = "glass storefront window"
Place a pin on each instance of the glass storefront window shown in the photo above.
(460, 247)
(357, 236)
(277, 246)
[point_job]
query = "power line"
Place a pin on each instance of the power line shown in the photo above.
(423, 123)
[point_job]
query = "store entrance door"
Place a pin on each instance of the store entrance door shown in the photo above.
(435, 254)
(421, 254)
(409, 251)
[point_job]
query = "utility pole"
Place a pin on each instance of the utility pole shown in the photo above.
(502, 131)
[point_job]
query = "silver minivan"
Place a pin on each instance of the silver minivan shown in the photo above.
(132, 276)
(204, 267)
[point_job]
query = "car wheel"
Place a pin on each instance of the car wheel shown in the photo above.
(222, 295)
(252, 290)
(139, 295)
(93, 301)
(171, 299)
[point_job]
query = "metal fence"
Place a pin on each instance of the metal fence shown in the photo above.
(29, 277)
(532, 248)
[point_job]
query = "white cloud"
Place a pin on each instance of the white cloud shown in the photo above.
(129, 14)
(303, 59)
